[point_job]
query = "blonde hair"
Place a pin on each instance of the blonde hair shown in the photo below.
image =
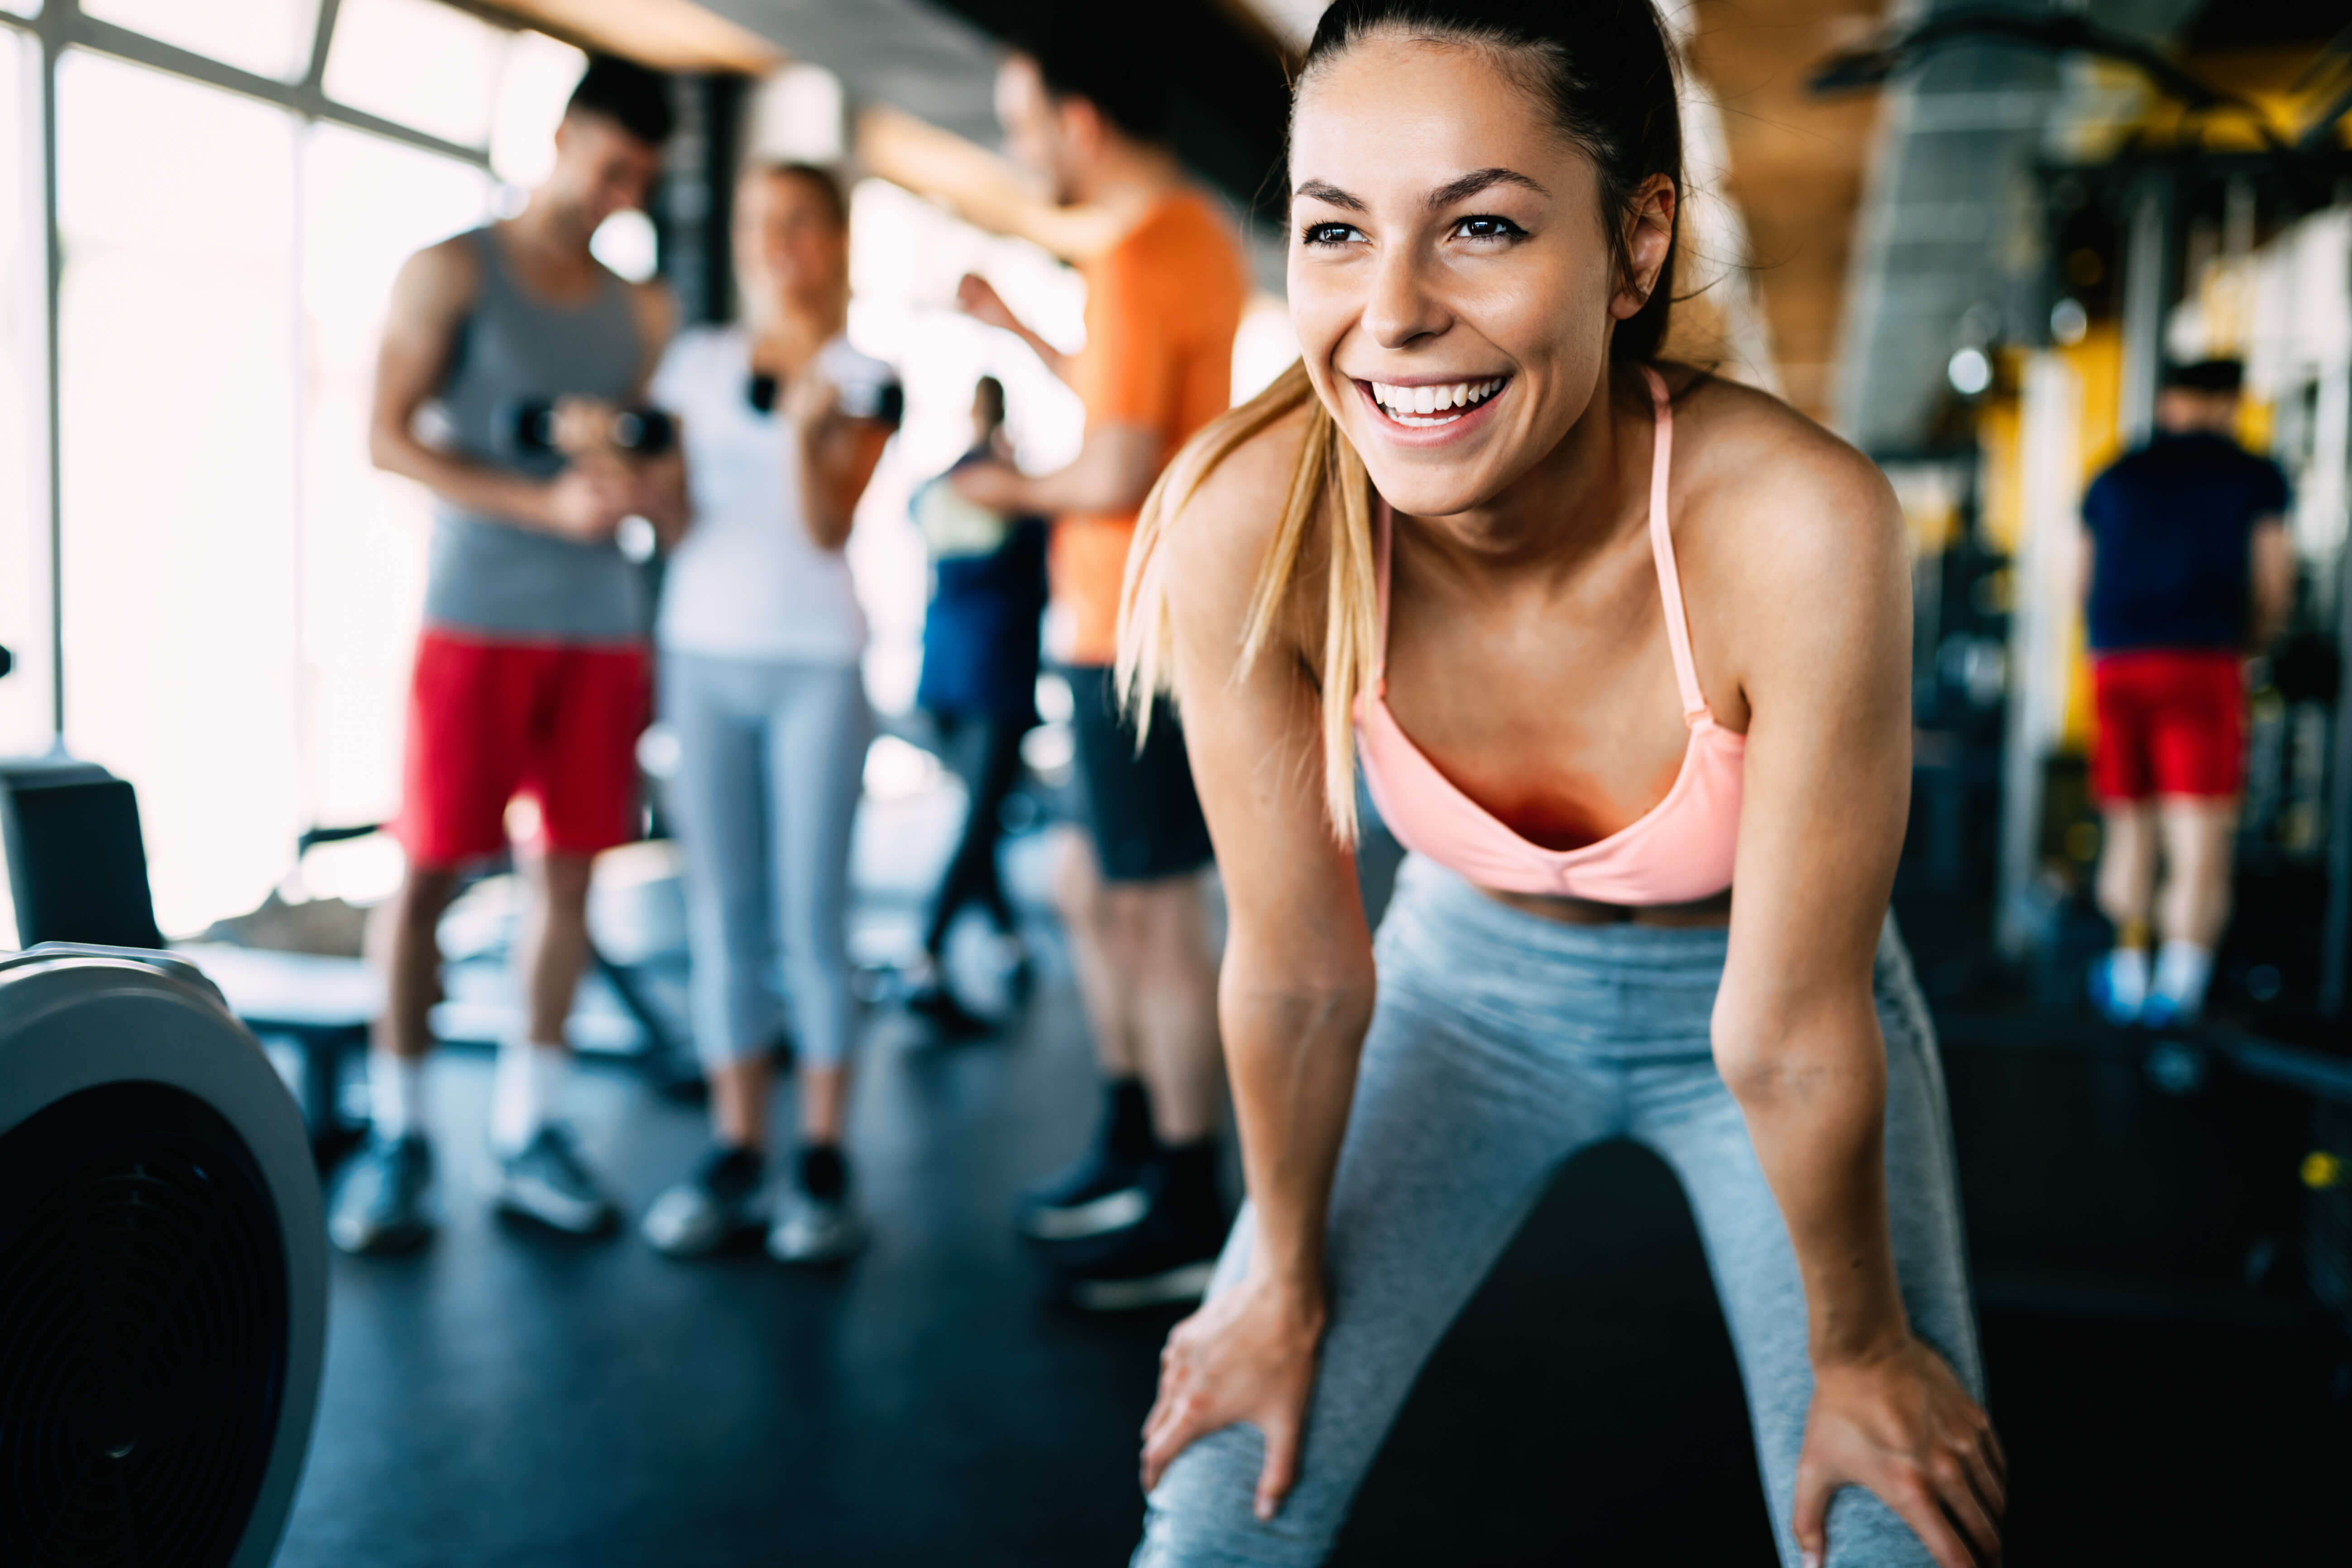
(1326, 517)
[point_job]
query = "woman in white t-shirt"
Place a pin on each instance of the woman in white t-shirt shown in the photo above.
(760, 634)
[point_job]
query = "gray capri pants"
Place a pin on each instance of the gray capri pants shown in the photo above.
(1501, 1044)
(771, 761)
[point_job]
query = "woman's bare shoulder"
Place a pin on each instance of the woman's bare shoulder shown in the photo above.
(1769, 491)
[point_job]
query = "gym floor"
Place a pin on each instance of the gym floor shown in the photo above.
(512, 1398)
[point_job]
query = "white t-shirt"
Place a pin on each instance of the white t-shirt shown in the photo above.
(748, 581)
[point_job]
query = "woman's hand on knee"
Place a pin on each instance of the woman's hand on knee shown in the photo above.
(1900, 1425)
(1248, 1354)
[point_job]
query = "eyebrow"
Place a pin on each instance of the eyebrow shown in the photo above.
(1445, 195)
(1479, 179)
(1323, 190)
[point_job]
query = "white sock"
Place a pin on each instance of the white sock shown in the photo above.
(2182, 972)
(526, 1092)
(2127, 977)
(395, 1094)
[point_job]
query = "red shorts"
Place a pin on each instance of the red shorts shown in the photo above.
(488, 721)
(2169, 723)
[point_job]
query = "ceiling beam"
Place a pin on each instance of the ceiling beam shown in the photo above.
(667, 35)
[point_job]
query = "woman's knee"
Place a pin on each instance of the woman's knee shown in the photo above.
(1865, 1533)
(1200, 1514)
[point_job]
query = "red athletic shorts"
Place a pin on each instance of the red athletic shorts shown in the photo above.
(2169, 724)
(490, 720)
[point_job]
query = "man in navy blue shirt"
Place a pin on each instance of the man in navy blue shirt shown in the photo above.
(2188, 567)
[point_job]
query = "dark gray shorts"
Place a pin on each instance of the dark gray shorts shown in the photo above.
(1139, 808)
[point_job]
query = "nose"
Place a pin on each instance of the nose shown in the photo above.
(1402, 309)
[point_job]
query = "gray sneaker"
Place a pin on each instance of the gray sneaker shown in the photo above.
(725, 1198)
(815, 1229)
(380, 1207)
(545, 1180)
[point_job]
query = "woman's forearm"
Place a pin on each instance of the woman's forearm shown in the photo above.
(824, 512)
(1814, 1091)
(1292, 1053)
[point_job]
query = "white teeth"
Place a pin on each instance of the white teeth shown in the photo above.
(1404, 403)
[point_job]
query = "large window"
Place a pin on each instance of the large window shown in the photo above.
(176, 414)
(267, 37)
(419, 63)
(239, 588)
(24, 717)
(234, 589)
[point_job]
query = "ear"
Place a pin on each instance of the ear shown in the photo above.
(1649, 237)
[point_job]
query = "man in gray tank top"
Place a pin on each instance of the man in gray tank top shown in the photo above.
(531, 676)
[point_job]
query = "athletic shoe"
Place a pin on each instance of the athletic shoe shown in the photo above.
(815, 1229)
(1102, 1193)
(545, 1180)
(2120, 987)
(379, 1207)
(2176, 996)
(1168, 1256)
(725, 1198)
(934, 1003)
(817, 1221)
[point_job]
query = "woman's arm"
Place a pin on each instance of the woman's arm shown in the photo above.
(658, 482)
(837, 456)
(1295, 994)
(1821, 636)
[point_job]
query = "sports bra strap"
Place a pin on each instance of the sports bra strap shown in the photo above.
(1385, 530)
(1662, 550)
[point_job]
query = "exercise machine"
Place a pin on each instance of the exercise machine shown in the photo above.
(162, 1269)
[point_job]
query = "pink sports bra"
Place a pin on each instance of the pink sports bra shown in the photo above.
(1677, 852)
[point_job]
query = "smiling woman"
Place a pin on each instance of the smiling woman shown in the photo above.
(1609, 634)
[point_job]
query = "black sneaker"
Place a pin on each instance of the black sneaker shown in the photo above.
(1103, 1191)
(725, 1197)
(1168, 1256)
(939, 1007)
(545, 1180)
(380, 1207)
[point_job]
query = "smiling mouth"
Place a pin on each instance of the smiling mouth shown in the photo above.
(1427, 407)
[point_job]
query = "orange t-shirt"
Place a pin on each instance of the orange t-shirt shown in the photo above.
(1162, 306)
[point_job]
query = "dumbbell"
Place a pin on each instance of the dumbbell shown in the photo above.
(640, 431)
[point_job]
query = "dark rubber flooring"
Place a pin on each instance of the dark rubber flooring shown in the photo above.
(510, 1397)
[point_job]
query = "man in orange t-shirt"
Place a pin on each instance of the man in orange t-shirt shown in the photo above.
(1140, 1219)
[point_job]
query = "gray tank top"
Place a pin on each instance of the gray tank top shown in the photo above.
(494, 577)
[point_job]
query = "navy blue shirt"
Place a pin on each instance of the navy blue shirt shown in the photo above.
(2174, 522)
(979, 634)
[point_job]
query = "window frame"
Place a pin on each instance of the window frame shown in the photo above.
(62, 26)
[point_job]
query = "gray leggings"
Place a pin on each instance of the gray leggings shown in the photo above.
(771, 758)
(1502, 1043)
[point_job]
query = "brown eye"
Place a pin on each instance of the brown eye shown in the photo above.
(1328, 233)
(1487, 226)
